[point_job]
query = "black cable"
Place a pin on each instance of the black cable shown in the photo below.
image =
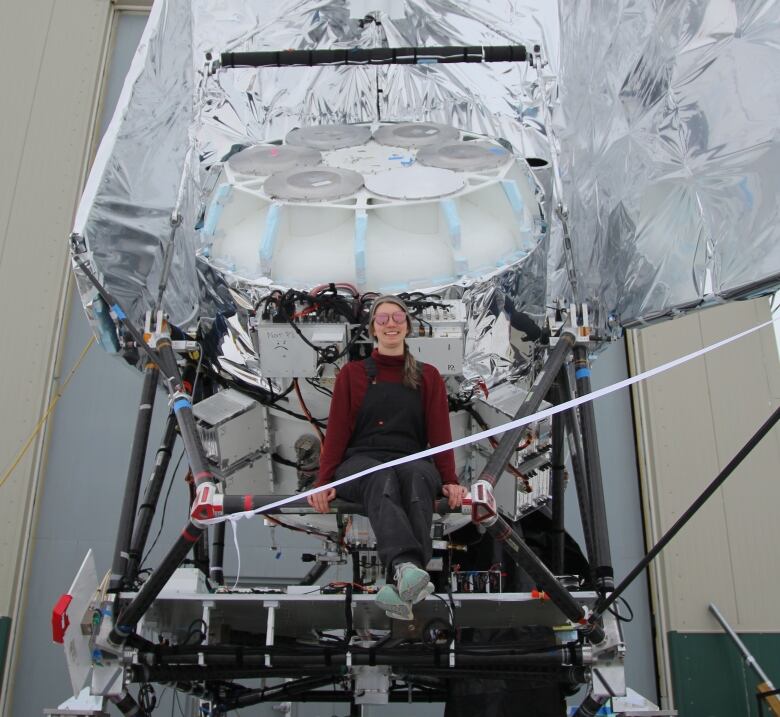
(613, 611)
(162, 516)
(147, 698)
(318, 387)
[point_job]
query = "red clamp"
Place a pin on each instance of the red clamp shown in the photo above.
(59, 618)
(483, 503)
(207, 503)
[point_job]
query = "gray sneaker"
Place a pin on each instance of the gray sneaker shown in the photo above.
(411, 582)
(424, 593)
(390, 601)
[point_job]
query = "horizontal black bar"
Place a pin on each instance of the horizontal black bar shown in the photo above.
(375, 56)
(240, 503)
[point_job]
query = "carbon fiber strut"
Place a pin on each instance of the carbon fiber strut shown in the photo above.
(507, 446)
(120, 565)
(602, 559)
(134, 611)
(240, 503)
(502, 532)
(375, 56)
(149, 504)
(216, 571)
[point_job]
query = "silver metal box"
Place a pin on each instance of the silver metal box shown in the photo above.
(232, 429)
(284, 354)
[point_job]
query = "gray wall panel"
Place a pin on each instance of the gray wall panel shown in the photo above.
(55, 51)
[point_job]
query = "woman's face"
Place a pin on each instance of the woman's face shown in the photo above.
(390, 328)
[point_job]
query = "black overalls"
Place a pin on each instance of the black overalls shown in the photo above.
(399, 500)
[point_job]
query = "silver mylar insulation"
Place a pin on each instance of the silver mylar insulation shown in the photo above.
(666, 113)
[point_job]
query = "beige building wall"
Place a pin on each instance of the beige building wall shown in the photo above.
(691, 421)
(54, 56)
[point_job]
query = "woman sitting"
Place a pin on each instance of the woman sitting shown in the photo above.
(386, 407)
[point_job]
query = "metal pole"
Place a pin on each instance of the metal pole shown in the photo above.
(749, 659)
(577, 453)
(603, 573)
(119, 566)
(507, 446)
(147, 508)
(765, 686)
(557, 487)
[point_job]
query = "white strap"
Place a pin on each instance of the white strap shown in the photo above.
(538, 416)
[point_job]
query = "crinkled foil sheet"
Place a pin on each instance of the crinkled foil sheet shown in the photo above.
(667, 119)
(170, 102)
(670, 152)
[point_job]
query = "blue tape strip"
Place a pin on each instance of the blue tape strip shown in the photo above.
(361, 227)
(105, 327)
(453, 228)
(515, 198)
(268, 243)
(582, 373)
(453, 221)
(180, 404)
(118, 311)
(214, 211)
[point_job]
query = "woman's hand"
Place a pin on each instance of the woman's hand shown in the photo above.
(455, 494)
(321, 501)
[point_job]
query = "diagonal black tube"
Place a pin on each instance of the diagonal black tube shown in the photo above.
(504, 533)
(604, 602)
(134, 611)
(507, 446)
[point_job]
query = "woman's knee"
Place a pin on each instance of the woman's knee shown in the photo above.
(420, 480)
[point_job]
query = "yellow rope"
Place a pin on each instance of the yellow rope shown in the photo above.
(46, 415)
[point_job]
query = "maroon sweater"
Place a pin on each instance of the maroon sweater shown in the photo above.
(348, 394)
